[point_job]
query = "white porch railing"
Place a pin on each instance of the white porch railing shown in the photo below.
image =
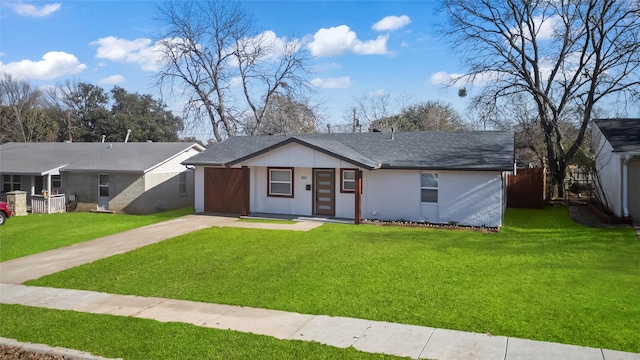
(48, 205)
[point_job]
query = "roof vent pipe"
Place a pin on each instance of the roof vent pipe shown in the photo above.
(103, 137)
(126, 139)
(392, 133)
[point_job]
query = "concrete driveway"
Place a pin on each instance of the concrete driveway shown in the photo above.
(17, 271)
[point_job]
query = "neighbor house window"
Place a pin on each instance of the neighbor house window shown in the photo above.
(11, 182)
(182, 183)
(429, 188)
(103, 185)
(280, 181)
(348, 180)
(56, 181)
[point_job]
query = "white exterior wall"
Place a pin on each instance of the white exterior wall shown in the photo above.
(392, 195)
(303, 160)
(174, 165)
(468, 198)
(634, 190)
(609, 169)
(198, 180)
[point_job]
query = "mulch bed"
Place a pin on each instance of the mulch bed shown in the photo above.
(431, 225)
(14, 353)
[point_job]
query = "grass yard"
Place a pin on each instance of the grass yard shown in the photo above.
(34, 233)
(541, 277)
(131, 338)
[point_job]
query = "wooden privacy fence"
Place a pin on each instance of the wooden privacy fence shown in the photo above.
(526, 189)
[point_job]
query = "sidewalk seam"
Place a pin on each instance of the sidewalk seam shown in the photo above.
(426, 343)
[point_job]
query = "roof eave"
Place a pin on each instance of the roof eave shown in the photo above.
(303, 143)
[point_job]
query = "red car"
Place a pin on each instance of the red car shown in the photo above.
(5, 213)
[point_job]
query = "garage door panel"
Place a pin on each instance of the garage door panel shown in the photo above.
(224, 190)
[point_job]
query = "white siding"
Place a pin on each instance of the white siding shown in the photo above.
(299, 204)
(609, 169)
(468, 198)
(634, 190)
(199, 189)
(174, 165)
(391, 195)
(296, 155)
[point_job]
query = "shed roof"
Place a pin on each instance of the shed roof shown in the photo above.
(43, 158)
(622, 134)
(462, 150)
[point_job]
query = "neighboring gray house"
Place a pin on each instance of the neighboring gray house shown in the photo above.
(616, 145)
(132, 178)
(436, 177)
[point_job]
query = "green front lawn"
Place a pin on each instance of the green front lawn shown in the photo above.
(541, 277)
(131, 338)
(34, 233)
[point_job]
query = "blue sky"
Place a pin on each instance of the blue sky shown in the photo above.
(359, 47)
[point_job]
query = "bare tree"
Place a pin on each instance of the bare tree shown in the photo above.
(562, 55)
(22, 118)
(426, 116)
(283, 116)
(228, 71)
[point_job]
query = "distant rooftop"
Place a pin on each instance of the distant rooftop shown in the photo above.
(622, 134)
(41, 158)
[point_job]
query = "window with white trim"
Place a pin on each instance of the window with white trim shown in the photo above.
(429, 188)
(11, 182)
(56, 181)
(182, 183)
(280, 182)
(348, 182)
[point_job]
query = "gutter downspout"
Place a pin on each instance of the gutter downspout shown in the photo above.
(625, 186)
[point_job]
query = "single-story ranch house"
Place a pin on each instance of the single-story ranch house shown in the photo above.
(132, 178)
(616, 145)
(436, 177)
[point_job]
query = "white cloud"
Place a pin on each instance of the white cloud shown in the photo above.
(445, 78)
(139, 51)
(339, 40)
(545, 28)
(54, 64)
(112, 80)
(391, 23)
(34, 11)
(332, 83)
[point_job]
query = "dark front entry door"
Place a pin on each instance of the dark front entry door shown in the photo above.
(325, 187)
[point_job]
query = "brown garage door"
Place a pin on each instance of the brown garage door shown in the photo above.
(226, 190)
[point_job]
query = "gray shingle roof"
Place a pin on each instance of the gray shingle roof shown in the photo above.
(622, 134)
(463, 150)
(37, 158)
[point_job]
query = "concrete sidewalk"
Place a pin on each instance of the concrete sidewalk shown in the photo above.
(17, 271)
(365, 335)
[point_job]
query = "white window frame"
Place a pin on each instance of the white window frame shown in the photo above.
(270, 182)
(182, 183)
(343, 180)
(429, 187)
